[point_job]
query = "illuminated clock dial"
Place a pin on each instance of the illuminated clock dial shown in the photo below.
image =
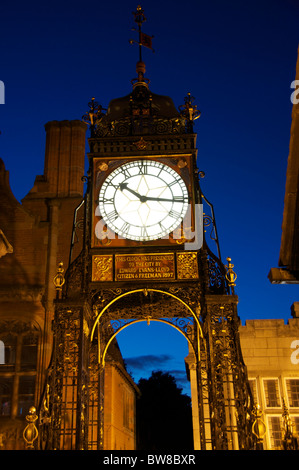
(143, 200)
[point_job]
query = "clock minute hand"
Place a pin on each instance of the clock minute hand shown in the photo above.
(123, 186)
(164, 199)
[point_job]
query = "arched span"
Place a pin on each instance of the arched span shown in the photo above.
(101, 313)
(102, 359)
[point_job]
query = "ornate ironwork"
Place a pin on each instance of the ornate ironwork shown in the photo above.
(209, 223)
(215, 274)
(58, 413)
(141, 119)
(189, 111)
(30, 433)
(289, 441)
(230, 274)
(94, 115)
(90, 310)
(230, 396)
(78, 224)
(59, 278)
(258, 427)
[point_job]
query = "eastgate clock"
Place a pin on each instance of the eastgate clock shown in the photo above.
(143, 200)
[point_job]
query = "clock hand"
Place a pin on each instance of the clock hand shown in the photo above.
(178, 199)
(123, 186)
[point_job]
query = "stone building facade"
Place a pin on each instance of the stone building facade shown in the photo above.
(271, 353)
(35, 236)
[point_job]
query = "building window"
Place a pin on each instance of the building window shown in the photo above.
(127, 409)
(272, 393)
(18, 365)
(295, 421)
(6, 386)
(275, 433)
(2, 353)
(293, 392)
(253, 387)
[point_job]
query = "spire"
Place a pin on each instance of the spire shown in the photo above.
(144, 40)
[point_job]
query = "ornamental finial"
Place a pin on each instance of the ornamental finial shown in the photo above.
(59, 278)
(189, 111)
(30, 433)
(230, 273)
(94, 115)
(258, 428)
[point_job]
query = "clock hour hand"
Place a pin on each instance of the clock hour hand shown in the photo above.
(123, 186)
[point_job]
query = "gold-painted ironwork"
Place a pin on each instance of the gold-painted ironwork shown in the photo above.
(189, 111)
(148, 319)
(182, 235)
(187, 267)
(289, 442)
(103, 166)
(125, 294)
(231, 276)
(100, 320)
(141, 144)
(102, 268)
(59, 279)
(259, 428)
(30, 433)
(95, 113)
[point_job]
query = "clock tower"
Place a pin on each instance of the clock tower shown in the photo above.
(146, 256)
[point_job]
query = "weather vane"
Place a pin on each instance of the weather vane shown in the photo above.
(144, 39)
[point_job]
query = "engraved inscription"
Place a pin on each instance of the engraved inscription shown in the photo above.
(140, 267)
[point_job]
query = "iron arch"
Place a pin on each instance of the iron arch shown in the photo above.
(103, 345)
(139, 321)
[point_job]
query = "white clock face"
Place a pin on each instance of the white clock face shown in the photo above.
(143, 200)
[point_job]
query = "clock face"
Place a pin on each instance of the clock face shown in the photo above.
(143, 200)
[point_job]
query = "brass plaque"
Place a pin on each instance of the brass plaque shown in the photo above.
(102, 268)
(145, 267)
(187, 267)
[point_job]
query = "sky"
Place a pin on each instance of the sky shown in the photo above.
(236, 58)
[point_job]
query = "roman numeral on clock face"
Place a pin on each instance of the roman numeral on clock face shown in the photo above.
(125, 172)
(143, 232)
(125, 228)
(179, 199)
(162, 227)
(113, 215)
(175, 181)
(174, 214)
(108, 200)
(143, 168)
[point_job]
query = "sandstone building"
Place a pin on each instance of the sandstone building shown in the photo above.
(35, 235)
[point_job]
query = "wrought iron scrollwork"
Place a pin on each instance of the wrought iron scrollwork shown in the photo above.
(217, 282)
(229, 387)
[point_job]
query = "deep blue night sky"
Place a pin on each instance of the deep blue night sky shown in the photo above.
(236, 58)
